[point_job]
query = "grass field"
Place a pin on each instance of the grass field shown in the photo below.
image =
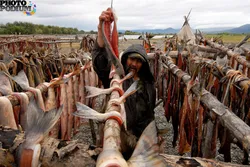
(228, 38)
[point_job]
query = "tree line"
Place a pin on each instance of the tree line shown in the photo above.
(24, 28)
(30, 28)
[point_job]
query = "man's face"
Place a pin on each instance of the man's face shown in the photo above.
(134, 64)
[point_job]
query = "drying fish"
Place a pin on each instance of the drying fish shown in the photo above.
(129, 75)
(22, 80)
(131, 90)
(5, 85)
(64, 116)
(39, 124)
(84, 111)
(112, 44)
(146, 153)
(20, 113)
(51, 102)
(6, 111)
(76, 79)
(94, 91)
(71, 106)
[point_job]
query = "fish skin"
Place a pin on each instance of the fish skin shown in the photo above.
(131, 90)
(86, 112)
(81, 88)
(50, 102)
(6, 111)
(94, 91)
(128, 76)
(86, 83)
(64, 116)
(22, 80)
(24, 102)
(6, 89)
(146, 152)
(5, 86)
(76, 79)
(112, 56)
(71, 106)
(39, 124)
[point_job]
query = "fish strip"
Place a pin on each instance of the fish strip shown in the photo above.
(109, 47)
(131, 90)
(86, 112)
(22, 80)
(39, 124)
(94, 91)
(6, 111)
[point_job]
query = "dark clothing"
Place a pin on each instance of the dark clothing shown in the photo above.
(140, 105)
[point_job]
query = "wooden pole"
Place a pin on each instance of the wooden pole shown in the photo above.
(111, 154)
(239, 129)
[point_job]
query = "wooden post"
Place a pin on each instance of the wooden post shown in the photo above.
(111, 154)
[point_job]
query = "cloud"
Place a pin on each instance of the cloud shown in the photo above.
(146, 14)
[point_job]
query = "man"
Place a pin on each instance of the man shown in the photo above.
(139, 106)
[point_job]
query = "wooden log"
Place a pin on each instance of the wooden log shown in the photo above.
(111, 154)
(72, 145)
(14, 101)
(243, 41)
(229, 52)
(7, 136)
(210, 63)
(49, 146)
(207, 49)
(42, 87)
(239, 129)
(174, 54)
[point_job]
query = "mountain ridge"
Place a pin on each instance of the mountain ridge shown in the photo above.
(236, 30)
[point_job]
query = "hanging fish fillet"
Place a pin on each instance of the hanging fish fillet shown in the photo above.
(39, 124)
(94, 91)
(6, 111)
(120, 81)
(146, 153)
(86, 112)
(71, 107)
(131, 90)
(22, 80)
(111, 44)
(64, 116)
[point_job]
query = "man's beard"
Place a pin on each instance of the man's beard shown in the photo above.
(130, 68)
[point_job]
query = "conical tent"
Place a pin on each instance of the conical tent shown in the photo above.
(186, 33)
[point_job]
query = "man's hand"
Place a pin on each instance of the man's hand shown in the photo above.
(105, 16)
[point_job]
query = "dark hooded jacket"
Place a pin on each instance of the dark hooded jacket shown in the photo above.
(139, 106)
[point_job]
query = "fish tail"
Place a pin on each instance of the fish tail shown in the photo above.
(39, 123)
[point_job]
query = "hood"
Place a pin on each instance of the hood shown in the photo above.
(144, 73)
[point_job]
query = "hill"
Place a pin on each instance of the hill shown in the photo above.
(236, 30)
(242, 29)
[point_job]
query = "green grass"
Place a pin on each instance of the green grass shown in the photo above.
(227, 38)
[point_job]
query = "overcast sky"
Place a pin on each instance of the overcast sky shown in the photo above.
(137, 14)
